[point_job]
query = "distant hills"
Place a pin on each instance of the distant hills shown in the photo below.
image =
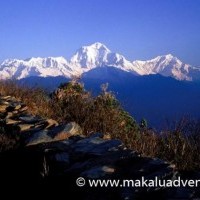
(157, 98)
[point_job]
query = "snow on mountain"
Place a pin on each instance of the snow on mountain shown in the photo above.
(51, 66)
(97, 55)
(167, 65)
(92, 56)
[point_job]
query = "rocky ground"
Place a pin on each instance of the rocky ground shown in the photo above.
(52, 156)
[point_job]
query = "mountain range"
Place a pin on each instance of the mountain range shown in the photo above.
(93, 56)
(160, 89)
(160, 100)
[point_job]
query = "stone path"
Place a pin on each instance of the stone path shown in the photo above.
(56, 155)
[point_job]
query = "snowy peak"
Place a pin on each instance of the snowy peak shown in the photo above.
(92, 56)
(98, 46)
(166, 65)
(97, 55)
(166, 59)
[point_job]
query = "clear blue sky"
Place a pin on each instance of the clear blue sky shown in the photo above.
(138, 29)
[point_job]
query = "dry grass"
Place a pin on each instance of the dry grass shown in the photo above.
(179, 145)
(174, 146)
(36, 99)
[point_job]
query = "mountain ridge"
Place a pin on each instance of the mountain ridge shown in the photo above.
(93, 56)
(153, 97)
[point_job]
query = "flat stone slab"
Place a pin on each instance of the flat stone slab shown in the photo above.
(58, 133)
(30, 119)
(96, 145)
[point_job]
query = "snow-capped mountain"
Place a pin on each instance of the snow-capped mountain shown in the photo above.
(168, 65)
(97, 55)
(89, 57)
(51, 66)
(92, 56)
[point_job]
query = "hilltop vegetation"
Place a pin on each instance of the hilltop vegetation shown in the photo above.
(179, 145)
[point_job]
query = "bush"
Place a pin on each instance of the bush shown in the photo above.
(179, 145)
(95, 114)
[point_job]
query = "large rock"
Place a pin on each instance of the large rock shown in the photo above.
(25, 127)
(30, 119)
(12, 122)
(96, 145)
(50, 123)
(58, 133)
(65, 131)
(3, 108)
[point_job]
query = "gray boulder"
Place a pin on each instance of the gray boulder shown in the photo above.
(96, 145)
(58, 133)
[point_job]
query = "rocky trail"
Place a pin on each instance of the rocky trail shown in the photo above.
(52, 156)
